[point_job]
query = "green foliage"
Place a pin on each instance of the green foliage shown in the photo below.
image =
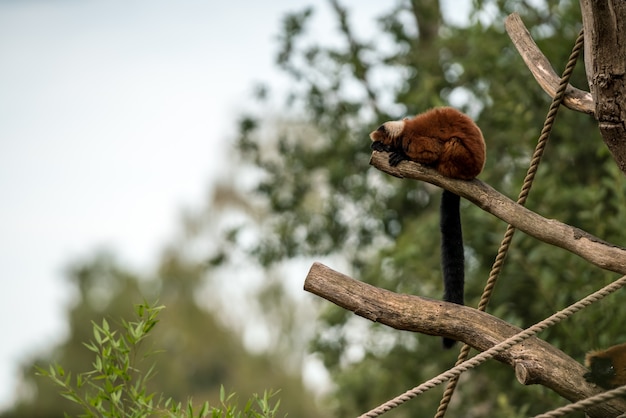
(117, 388)
(321, 199)
(201, 353)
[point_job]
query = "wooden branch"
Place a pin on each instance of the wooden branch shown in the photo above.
(534, 360)
(541, 68)
(604, 23)
(593, 249)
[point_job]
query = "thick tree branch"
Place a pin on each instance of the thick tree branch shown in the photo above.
(604, 23)
(541, 68)
(534, 360)
(577, 241)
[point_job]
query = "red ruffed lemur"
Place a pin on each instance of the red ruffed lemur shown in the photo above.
(607, 368)
(450, 142)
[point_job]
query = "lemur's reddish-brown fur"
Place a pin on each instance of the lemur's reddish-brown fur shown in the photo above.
(451, 143)
(443, 138)
(607, 367)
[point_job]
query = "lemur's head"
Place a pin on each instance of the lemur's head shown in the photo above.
(607, 368)
(388, 133)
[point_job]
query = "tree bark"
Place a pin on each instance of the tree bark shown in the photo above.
(541, 68)
(604, 23)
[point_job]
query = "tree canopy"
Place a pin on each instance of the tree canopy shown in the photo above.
(322, 200)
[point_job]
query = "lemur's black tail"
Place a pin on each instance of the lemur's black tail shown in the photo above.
(452, 258)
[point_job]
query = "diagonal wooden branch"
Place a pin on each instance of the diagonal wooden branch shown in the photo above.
(541, 68)
(534, 360)
(593, 249)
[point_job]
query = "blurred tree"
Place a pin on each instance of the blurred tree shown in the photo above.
(200, 354)
(317, 196)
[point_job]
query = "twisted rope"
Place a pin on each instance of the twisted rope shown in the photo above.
(510, 230)
(497, 349)
(585, 403)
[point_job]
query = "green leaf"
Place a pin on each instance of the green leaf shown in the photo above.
(71, 396)
(204, 410)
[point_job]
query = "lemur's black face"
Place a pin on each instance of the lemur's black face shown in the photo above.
(602, 372)
(379, 146)
(379, 136)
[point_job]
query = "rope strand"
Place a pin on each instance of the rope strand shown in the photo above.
(585, 403)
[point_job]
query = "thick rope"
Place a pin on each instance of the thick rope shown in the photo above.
(585, 403)
(497, 349)
(510, 230)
